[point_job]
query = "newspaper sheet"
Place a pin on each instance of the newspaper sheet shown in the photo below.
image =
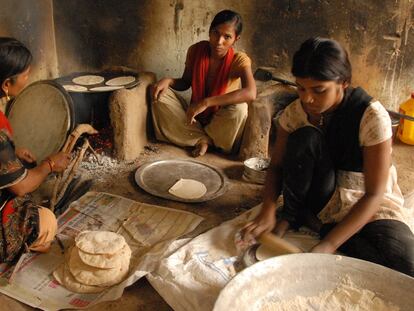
(148, 229)
(192, 277)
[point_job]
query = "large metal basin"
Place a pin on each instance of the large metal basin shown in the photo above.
(286, 277)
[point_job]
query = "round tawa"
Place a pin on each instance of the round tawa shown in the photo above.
(307, 275)
(104, 81)
(158, 177)
(41, 117)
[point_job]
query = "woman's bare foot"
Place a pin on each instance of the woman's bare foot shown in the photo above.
(200, 149)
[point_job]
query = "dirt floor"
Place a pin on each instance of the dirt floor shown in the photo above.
(118, 178)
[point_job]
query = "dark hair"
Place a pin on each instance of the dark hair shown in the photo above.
(15, 58)
(228, 16)
(322, 59)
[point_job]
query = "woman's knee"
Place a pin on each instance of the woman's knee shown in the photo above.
(402, 259)
(394, 241)
(47, 230)
(404, 255)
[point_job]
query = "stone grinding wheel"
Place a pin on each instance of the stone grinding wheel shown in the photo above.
(41, 117)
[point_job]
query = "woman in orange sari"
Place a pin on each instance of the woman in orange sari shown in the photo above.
(222, 83)
(23, 225)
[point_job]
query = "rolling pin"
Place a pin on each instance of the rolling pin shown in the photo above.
(277, 246)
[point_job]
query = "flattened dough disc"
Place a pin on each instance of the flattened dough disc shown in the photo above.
(188, 189)
(100, 242)
(105, 88)
(120, 81)
(75, 88)
(88, 80)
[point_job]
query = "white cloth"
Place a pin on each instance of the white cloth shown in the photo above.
(192, 277)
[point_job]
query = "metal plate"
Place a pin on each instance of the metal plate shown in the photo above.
(159, 176)
(41, 117)
(286, 277)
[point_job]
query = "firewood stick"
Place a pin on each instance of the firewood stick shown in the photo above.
(68, 147)
(76, 133)
(95, 154)
(72, 172)
(58, 181)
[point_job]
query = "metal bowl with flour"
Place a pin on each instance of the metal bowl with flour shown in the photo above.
(284, 278)
(255, 170)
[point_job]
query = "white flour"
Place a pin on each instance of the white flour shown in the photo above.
(345, 297)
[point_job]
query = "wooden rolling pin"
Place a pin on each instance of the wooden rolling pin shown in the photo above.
(276, 246)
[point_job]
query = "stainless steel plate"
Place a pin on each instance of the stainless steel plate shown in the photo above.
(159, 176)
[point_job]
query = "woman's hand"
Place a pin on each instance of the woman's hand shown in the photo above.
(324, 247)
(60, 161)
(264, 222)
(159, 88)
(25, 155)
(194, 109)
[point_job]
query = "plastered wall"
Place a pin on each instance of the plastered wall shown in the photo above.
(31, 21)
(153, 35)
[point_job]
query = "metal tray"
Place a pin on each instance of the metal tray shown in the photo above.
(158, 177)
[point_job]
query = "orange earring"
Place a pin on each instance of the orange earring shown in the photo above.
(7, 95)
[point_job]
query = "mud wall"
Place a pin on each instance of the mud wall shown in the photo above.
(32, 23)
(154, 35)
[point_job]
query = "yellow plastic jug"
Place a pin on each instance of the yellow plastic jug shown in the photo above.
(406, 128)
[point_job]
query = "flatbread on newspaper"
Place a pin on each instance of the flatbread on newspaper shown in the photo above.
(99, 242)
(75, 88)
(66, 279)
(121, 80)
(105, 261)
(95, 276)
(188, 189)
(105, 88)
(88, 80)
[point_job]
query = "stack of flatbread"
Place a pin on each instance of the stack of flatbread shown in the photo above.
(98, 260)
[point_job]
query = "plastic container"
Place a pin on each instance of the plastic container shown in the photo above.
(406, 128)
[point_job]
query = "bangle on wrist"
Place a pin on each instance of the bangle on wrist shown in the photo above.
(51, 164)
